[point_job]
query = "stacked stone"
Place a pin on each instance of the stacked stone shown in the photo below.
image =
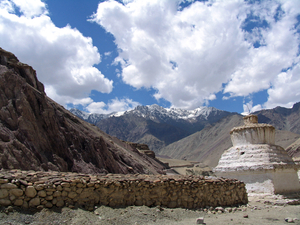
(48, 189)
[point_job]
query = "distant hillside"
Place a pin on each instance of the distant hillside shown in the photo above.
(282, 118)
(294, 150)
(208, 145)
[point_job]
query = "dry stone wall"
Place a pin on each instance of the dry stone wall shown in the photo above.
(48, 189)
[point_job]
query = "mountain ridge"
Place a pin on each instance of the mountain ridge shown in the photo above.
(154, 125)
(153, 112)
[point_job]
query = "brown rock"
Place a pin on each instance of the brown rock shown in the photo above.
(9, 186)
(60, 203)
(72, 194)
(3, 181)
(30, 192)
(5, 202)
(65, 185)
(16, 192)
(49, 197)
(48, 205)
(42, 194)
(59, 188)
(34, 202)
(35, 128)
(3, 193)
(18, 202)
(57, 194)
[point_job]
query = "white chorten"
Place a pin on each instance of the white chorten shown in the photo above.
(255, 159)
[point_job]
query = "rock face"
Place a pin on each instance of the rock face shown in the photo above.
(256, 160)
(36, 133)
(143, 148)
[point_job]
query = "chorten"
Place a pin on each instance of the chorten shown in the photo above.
(255, 159)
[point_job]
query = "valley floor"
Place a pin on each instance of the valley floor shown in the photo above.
(260, 210)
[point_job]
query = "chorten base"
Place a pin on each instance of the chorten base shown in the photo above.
(275, 181)
(263, 168)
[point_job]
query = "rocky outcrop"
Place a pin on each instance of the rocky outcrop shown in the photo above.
(36, 133)
(143, 148)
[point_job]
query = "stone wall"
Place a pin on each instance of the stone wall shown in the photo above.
(48, 189)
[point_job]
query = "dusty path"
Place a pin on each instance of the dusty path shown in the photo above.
(260, 210)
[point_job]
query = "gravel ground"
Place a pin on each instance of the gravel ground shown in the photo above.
(260, 210)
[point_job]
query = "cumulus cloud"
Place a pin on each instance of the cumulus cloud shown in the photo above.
(285, 90)
(115, 105)
(249, 108)
(190, 54)
(63, 58)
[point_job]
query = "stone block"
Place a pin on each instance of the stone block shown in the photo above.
(65, 184)
(5, 202)
(3, 181)
(39, 187)
(3, 193)
(49, 197)
(60, 203)
(59, 188)
(34, 202)
(16, 192)
(48, 205)
(42, 194)
(8, 186)
(72, 195)
(12, 197)
(57, 194)
(30, 192)
(18, 202)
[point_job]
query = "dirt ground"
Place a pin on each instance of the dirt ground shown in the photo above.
(259, 210)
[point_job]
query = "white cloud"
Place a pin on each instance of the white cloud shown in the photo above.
(31, 8)
(262, 65)
(285, 90)
(249, 108)
(114, 105)
(63, 58)
(188, 55)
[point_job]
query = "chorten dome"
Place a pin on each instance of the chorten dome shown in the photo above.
(257, 161)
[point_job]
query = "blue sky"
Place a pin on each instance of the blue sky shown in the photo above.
(104, 56)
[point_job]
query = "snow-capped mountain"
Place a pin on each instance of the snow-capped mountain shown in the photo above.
(90, 117)
(81, 114)
(153, 112)
(153, 124)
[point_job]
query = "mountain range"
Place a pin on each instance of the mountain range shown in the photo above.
(199, 135)
(154, 125)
